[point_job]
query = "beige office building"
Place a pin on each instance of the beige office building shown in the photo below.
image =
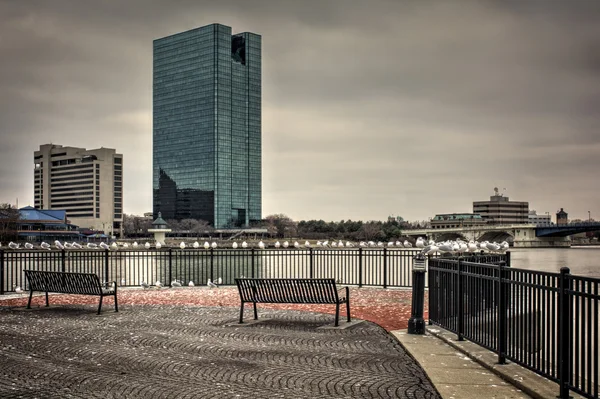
(88, 184)
(500, 210)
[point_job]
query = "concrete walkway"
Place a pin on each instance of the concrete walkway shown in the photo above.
(464, 370)
(165, 351)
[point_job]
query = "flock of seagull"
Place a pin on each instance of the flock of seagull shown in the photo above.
(428, 247)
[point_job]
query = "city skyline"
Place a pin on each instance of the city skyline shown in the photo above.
(369, 110)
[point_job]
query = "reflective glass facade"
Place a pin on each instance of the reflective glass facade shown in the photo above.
(207, 126)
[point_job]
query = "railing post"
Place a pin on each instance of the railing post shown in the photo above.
(507, 258)
(212, 264)
(461, 302)
(2, 272)
(360, 267)
(384, 267)
(311, 265)
(63, 260)
(252, 261)
(564, 333)
(106, 276)
(170, 266)
(502, 315)
(416, 323)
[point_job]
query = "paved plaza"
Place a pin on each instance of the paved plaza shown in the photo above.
(165, 351)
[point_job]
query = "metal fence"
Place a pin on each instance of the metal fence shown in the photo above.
(546, 322)
(361, 267)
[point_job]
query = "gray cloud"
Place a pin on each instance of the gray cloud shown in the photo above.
(369, 108)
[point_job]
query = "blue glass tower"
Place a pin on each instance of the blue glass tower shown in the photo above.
(207, 126)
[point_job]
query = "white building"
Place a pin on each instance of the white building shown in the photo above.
(87, 184)
(540, 220)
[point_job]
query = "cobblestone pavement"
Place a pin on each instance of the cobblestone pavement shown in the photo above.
(164, 351)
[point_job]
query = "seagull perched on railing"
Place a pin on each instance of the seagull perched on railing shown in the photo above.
(76, 245)
(349, 244)
(114, 246)
(196, 244)
(277, 244)
(296, 245)
(135, 245)
(45, 245)
(68, 245)
(91, 245)
(234, 245)
(261, 245)
(307, 244)
(13, 245)
(158, 245)
(182, 245)
(104, 245)
(206, 245)
(286, 244)
(58, 245)
(244, 244)
(147, 245)
(191, 284)
(213, 245)
(125, 245)
(28, 245)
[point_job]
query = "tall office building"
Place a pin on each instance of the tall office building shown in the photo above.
(207, 126)
(87, 184)
(500, 210)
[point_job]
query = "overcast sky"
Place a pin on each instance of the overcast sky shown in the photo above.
(370, 108)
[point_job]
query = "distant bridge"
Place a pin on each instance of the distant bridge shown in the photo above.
(522, 235)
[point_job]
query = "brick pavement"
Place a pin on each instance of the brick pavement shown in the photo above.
(164, 351)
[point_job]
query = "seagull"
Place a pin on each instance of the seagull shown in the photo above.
(286, 244)
(326, 243)
(244, 245)
(349, 244)
(125, 245)
(390, 244)
(68, 245)
(196, 244)
(182, 245)
(333, 244)
(307, 244)
(234, 245)
(91, 245)
(147, 245)
(296, 245)
(114, 246)
(158, 245)
(206, 245)
(399, 244)
(219, 281)
(12, 245)
(18, 290)
(277, 244)
(261, 245)
(191, 284)
(213, 245)
(340, 244)
(407, 244)
(135, 244)
(144, 285)
(76, 245)
(379, 244)
(122, 281)
(420, 243)
(28, 245)
(104, 246)
(175, 284)
(45, 245)
(57, 244)
(210, 284)
(471, 246)
(158, 284)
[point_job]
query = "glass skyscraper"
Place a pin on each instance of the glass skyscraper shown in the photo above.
(207, 126)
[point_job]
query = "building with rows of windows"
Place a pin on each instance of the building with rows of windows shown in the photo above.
(207, 126)
(500, 210)
(87, 184)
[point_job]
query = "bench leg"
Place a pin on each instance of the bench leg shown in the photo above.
(29, 303)
(348, 309)
(337, 314)
(100, 306)
(47, 303)
(255, 313)
(242, 313)
(116, 304)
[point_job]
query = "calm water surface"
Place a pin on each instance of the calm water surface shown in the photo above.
(583, 261)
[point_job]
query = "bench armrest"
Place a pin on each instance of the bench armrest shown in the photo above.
(344, 292)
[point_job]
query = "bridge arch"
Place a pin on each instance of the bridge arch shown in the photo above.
(496, 236)
(450, 236)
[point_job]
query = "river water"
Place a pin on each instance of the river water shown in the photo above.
(582, 261)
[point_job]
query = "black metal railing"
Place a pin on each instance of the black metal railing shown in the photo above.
(546, 322)
(362, 267)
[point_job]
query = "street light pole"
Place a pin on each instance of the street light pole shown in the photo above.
(589, 217)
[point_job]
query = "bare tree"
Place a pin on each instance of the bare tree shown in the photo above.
(281, 225)
(9, 217)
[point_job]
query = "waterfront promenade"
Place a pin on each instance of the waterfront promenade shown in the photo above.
(185, 342)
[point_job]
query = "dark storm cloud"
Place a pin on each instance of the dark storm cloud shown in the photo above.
(369, 108)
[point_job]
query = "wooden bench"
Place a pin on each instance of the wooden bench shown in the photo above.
(292, 290)
(69, 283)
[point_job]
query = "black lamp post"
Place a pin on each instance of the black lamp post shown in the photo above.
(416, 323)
